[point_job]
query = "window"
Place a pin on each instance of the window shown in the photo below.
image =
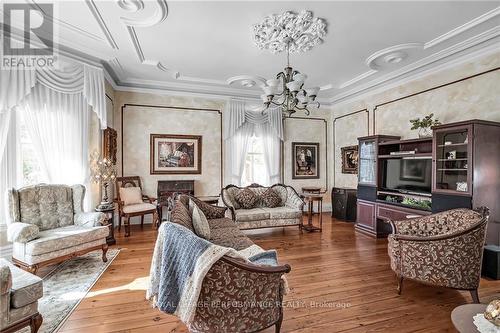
(255, 169)
(31, 171)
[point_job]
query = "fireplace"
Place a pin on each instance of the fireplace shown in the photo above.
(168, 189)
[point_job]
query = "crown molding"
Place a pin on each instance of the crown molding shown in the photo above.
(464, 27)
(420, 65)
(463, 59)
(102, 25)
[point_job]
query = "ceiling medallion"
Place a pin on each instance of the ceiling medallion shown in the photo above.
(289, 32)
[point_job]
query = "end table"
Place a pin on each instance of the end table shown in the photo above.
(110, 223)
(309, 200)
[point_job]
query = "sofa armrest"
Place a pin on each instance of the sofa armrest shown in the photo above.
(293, 199)
(90, 219)
(22, 232)
(5, 278)
(237, 296)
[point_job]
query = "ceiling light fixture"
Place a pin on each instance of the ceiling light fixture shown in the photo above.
(289, 32)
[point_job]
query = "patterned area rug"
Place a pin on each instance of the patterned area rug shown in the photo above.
(66, 286)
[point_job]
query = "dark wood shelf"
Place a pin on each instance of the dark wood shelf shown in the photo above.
(453, 145)
(451, 159)
(397, 142)
(451, 169)
(406, 155)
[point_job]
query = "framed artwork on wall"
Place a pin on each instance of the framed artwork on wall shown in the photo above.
(305, 160)
(109, 144)
(175, 154)
(349, 159)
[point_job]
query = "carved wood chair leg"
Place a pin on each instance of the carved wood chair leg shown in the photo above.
(400, 284)
(104, 251)
(31, 269)
(127, 226)
(142, 221)
(475, 296)
(119, 223)
(36, 322)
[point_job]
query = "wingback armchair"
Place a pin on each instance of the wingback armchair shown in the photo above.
(443, 249)
(47, 225)
(132, 202)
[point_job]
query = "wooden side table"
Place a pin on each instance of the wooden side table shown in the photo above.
(312, 190)
(110, 223)
(211, 200)
(310, 199)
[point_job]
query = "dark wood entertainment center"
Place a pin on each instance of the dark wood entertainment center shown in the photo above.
(465, 174)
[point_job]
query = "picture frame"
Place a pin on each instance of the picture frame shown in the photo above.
(305, 160)
(175, 154)
(109, 144)
(349, 159)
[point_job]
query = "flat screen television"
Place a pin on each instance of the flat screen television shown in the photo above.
(407, 175)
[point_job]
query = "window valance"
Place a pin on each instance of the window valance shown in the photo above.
(78, 83)
(237, 115)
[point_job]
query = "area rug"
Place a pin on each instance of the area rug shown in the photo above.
(66, 286)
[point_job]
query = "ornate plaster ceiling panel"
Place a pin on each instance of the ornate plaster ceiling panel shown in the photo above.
(207, 47)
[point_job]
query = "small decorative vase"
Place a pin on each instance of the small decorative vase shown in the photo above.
(425, 132)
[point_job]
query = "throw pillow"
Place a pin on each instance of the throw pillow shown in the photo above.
(200, 222)
(131, 195)
(271, 198)
(180, 215)
(246, 198)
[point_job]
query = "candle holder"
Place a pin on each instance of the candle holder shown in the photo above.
(103, 171)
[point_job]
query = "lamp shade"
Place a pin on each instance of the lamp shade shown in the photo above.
(312, 91)
(273, 82)
(294, 85)
(300, 77)
(269, 91)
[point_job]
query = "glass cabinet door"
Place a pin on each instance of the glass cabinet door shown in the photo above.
(367, 162)
(452, 161)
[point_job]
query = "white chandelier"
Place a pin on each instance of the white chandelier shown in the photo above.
(293, 33)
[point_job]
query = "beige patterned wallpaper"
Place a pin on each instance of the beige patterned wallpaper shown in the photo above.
(477, 97)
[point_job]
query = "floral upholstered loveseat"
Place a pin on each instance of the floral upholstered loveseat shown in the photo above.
(287, 212)
(232, 288)
(443, 249)
(47, 225)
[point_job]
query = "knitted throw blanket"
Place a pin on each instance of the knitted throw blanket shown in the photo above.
(179, 264)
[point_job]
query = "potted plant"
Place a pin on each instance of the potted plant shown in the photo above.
(424, 125)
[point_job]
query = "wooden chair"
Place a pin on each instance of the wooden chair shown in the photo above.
(140, 209)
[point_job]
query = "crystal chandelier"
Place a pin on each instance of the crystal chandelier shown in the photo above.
(287, 91)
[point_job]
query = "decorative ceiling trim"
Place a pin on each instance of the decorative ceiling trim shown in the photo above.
(298, 32)
(132, 6)
(102, 25)
(358, 78)
(247, 80)
(391, 54)
(464, 27)
(400, 78)
(69, 26)
(118, 69)
(159, 16)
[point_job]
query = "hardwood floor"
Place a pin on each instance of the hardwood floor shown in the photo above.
(340, 282)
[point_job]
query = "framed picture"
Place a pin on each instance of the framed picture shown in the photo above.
(175, 154)
(349, 159)
(109, 145)
(413, 170)
(305, 159)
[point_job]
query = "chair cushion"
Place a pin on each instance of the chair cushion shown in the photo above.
(270, 198)
(284, 213)
(247, 198)
(64, 237)
(254, 214)
(130, 195)
(26, 287)
(47, 206)
(136, 208)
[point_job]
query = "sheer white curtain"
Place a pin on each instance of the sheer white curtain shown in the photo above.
(9, 163)
(239, 126)
(58, 125)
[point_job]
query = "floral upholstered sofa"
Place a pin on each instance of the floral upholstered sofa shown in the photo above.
(443, 249)
(275, 206)
(47, 225)
(238, 284)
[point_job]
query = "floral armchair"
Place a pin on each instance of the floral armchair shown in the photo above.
(443, 249)
(47, 225)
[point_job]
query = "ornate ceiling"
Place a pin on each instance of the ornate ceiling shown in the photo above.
(207, 48)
